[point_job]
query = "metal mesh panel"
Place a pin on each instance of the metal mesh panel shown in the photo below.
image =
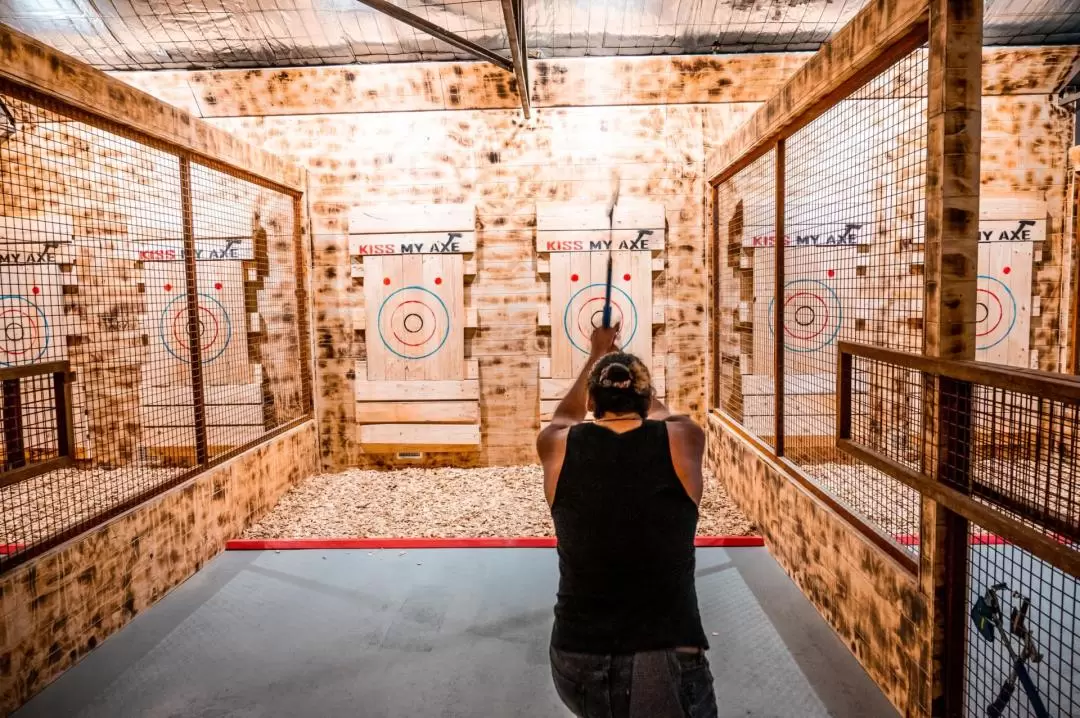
(246, 276)
(1045, 645)
(854, 215)
(92, 275)
(746, 261)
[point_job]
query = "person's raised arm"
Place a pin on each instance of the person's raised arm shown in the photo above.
(571, 410)
(551, 443)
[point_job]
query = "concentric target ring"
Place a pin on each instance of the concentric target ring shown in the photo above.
(24, 330)
(813, 315)
(579, 322)
(995, 312)
(215, 328)
(413, 322)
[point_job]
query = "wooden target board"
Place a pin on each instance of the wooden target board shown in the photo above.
(1011, 232)
(222, 321)
(234, 412)
(573, 241)
(415, 390)
(814, 315)
(32, 323)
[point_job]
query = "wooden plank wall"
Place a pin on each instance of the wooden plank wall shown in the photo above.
(445, 132)
(59, 607)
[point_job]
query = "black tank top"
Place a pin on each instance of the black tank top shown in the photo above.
(625, 528)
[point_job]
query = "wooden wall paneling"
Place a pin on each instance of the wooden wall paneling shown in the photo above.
(61, 605)
(28, 62)
(363, 148)
(414, 325)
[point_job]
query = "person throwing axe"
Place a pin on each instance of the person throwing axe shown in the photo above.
(623, 490)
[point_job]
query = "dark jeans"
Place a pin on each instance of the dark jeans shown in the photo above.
(599, 686)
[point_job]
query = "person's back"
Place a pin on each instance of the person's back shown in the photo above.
(627, 640)
(625, 527)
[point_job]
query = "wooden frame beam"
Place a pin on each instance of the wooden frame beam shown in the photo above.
(876, 37)
(514, 16)
(40, 69)
(415, 21)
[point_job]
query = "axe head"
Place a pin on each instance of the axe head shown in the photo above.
(982, 615)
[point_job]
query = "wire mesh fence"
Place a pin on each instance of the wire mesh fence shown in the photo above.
(746, 260)
(97, 278)
(854, 216)
(1023, 643)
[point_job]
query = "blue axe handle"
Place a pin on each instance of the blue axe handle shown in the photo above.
(607, 296)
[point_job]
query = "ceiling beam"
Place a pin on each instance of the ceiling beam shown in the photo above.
(403, 15)
(513, 15)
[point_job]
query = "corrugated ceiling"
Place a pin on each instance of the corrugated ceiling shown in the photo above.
(159, 34)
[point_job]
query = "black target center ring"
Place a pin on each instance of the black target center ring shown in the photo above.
(413, 323)
(982, 311)
(597, 319)
(805, 316)
(14, 332)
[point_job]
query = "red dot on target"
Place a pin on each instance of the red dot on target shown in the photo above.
(386, 281)
(832, 272)
(168, 287)
(438, 280)
(626, 277)
(573, 277)
(36, 290)
(1007, 270)
(217, 286)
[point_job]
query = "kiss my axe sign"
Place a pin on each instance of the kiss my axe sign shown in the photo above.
(226, 248)
(1012, 230)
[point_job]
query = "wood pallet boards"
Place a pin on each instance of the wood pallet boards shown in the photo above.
(217, 436)
(390, 438)
(442, 242)
(397, 218)
(630, 213)
(556, 388)
(417, 412)
(796, 384)
(415, 317)
(1003, 303)
(452, 390)
(216, 415)
(227, 394)
(577, 290)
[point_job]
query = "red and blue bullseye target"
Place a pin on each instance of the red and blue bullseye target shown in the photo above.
(215, 328)
(812, 315)
(24, 330)
(585, 312)
(413, 323)
(995, 312)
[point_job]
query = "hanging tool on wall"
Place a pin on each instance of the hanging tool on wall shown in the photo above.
(7, 122)
(987, 615)
(615, 181)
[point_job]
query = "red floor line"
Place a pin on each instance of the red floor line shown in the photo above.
(7, 549)
(418, 543)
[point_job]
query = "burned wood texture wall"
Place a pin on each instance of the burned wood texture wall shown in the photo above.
(448, 133)
(873, 604)
(55, 610)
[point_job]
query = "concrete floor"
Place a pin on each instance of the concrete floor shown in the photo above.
(435, 633)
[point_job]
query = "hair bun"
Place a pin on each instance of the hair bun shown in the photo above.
(616, 376)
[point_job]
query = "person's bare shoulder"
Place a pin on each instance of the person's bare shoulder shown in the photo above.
(686, 432)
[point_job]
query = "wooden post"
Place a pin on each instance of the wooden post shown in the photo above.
(951, 269)
(14, 450)
(303, 304)
(778, 301)
(202, 453)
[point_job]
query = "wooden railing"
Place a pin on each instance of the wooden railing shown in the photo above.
(1040, 515)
